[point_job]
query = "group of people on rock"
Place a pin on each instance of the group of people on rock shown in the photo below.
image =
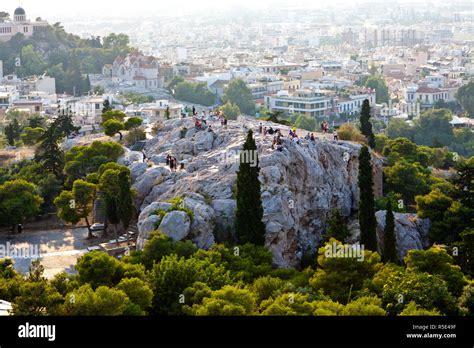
(201, 121)
(293, 136)
(270, 130)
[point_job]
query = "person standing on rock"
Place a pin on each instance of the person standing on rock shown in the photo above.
(172, 163)
(194, 110)
(336, 137)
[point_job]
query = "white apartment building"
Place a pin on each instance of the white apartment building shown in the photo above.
(352, 105)
(428, 96)
(20, 24)
(312, 103)
(259, 90)
(86, 110)
(306, 102)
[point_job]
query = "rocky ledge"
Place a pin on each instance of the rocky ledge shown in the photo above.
(300, 185)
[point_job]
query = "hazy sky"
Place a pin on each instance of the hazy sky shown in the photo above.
(122, 8)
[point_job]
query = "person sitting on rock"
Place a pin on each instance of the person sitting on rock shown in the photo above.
(270, 131)
(296, 140)
(197, 124)
(307, 137)
(312, 138)
(209, 129)
(168, 158)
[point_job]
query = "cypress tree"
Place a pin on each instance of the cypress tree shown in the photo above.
(13, 131)
(365, 125)
(106, 106)
(111, 212)
(367, 220)
(389, 239)
(249, 226)
(125, 207)
(87, 84)
(49, 152)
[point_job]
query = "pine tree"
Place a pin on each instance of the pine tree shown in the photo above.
(249, 213)
(337, 227)
(389, 239)
(64, 124)
(367, 220)
(365, 125)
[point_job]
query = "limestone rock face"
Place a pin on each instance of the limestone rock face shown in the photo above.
(129, 157)
(147, 181)
(137, 169)
(203, 141)
(176, 225)
(411, 232)
(145, 227)
(300, 184)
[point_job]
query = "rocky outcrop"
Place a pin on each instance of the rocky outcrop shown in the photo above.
(300, 184)
(411, 232)
(176, 225)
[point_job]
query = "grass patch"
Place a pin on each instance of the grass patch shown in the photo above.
(177, 204)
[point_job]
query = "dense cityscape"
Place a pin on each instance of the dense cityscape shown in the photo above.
(282, 159)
